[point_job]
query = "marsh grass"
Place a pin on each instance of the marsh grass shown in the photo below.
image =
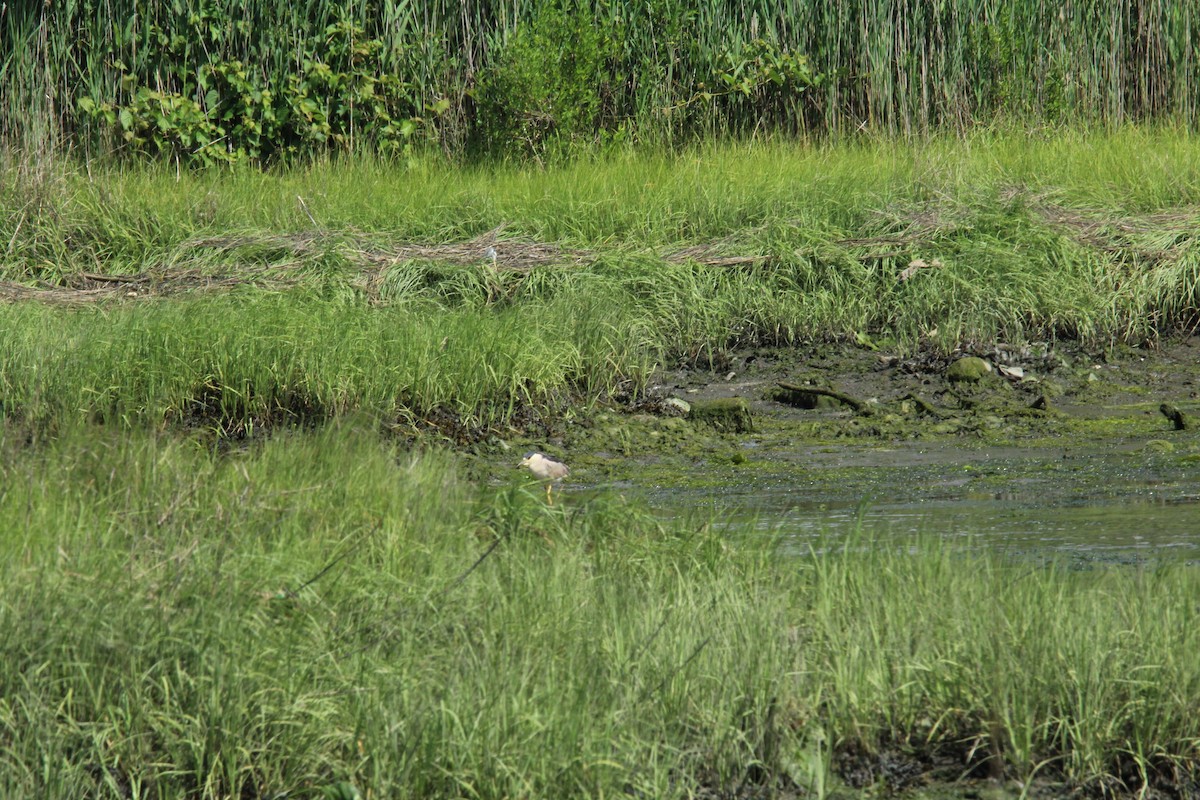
(135, 217)
(243, 306)
(242, 360)
(324, 607)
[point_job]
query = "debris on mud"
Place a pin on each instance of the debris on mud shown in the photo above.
(1174, 415)
(817, 391)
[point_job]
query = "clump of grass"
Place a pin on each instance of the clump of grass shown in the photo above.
(324, 607)
(256, 358)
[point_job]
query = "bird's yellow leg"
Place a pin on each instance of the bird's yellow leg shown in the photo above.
(549, 499)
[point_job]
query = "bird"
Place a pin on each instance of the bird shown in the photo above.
(545, 469)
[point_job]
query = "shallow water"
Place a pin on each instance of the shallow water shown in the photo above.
(1123, 504)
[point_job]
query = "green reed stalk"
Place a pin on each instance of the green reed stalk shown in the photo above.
(902, 68)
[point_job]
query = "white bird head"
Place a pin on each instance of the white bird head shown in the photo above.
(544, 467)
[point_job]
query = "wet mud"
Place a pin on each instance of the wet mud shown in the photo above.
(1042, 449)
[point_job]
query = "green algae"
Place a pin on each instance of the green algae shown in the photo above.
(970, 369)
(730, 414)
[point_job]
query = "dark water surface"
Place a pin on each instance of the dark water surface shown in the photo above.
(1125, 503)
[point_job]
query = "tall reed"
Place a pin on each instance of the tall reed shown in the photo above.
(899, 67)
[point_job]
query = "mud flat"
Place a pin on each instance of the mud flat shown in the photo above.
(1051, 450)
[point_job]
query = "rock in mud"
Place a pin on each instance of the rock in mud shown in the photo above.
(1175, 415)
(970, 369)
(804, 399)
(728, 415)
(676, 405)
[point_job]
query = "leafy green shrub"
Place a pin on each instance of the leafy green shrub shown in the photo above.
(342, 94)
(163, 123)
(547, 85)
(345, 93)
(242, 106)
(758, 81)
(768, 77)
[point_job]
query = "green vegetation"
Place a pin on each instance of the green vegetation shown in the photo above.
(241, 298)
(323, 607)
(194, 81)
(189, 608)
(246, 360)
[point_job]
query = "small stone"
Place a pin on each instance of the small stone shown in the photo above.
(726, 414)
(970, 369)
(675, 403)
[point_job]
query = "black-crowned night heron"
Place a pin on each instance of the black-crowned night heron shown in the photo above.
(546, 469)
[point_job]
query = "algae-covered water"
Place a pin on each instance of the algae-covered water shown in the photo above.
(1126, 504)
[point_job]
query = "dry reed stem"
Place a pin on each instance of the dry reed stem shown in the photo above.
(87, 287)
(1098, 229)
(1093, 228)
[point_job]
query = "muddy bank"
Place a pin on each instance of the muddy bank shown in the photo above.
(778, 400)
(1048, 447)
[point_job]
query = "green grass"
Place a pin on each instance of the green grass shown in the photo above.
(244, 360)
(1084, 237)
(141, 216)
(325, 607)
(180, 616)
